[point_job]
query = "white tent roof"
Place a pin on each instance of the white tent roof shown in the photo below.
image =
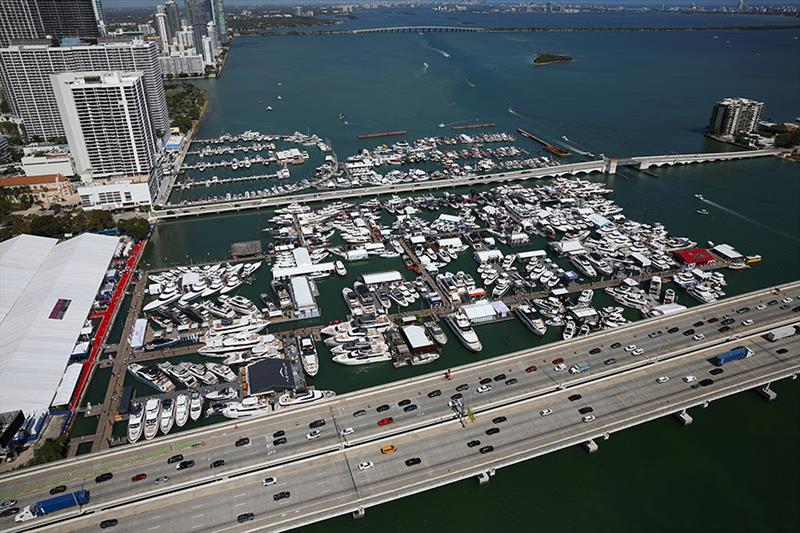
(20, 257)
(35, 339)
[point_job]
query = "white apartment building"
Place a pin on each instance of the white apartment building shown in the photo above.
(107, 123)
(117, 195)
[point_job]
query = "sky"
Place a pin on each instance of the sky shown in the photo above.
(111, 4)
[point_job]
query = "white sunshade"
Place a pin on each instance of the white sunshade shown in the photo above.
(41, 328)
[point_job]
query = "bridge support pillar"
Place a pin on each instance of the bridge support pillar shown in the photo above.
(685, 418)
(611, 166)
(483, 477)
(767, 393)
(644, 166)
(591, 446)
(358, 513)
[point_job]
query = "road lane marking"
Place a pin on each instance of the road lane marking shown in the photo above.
(240, 504)
(152, 528)
(198, 515)
(197, 506)
(242, 494)
(198, 525)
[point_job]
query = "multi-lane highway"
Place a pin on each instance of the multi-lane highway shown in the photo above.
(323, 476)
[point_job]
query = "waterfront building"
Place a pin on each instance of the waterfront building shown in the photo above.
(47, 189)
(173, 17)
(218, 16)
(39, 19)
(25, 79)
(735, 116)
(208, 54)
(198, 13)
(185, 39)
(184, 63)
(124, 194)
(107, 123)
(43, 160)
(20, 20)
(211, 33)
(163, 29)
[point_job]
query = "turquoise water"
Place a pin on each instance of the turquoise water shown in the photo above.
(625, 94)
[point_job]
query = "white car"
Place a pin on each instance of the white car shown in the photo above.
(483, 388)
(588, 418)
(787, 300)
(630, 348)
(699, 337)
(761, 307)
(269, 481)
(313, 435)
(545, 412)
(347, 431)
(689, 379)
(638, 351)
(747, 322)
(559, 368)
(662, 379)
(366, 465)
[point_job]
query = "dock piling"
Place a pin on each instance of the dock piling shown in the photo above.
(591, 446)
(767, 393)
(685, 418)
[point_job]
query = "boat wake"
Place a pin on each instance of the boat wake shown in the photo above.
(578, 150)
(752, 221)
(444, 54)
(425, 68)
(471, 84)
(518, 114)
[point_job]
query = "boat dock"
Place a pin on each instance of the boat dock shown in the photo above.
(553, 149)
(192, 183)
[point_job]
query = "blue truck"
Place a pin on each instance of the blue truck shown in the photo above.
(740, 352)
(580, 369)
(51, 505)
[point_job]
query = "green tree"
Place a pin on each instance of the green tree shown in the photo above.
(46, 226)
(137, 227)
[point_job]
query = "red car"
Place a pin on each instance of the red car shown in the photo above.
(530, 369)
(558, 361)
(138, 477)
(385, 421)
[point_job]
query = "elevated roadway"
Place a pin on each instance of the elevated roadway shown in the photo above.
(300, 459)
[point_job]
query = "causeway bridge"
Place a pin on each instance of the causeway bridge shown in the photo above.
(420, 29)
(529, 406)
(607, 165)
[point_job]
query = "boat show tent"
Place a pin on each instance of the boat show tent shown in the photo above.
(481, 311)
(19, 259)
(727, 251)
(67, 385)
(42, 325)
(302, 270)
(269, 375)
(390, 276)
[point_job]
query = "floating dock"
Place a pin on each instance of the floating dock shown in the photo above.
(553, 149)
(365, 136)
(474, 126)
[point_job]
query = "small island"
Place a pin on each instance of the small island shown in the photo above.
(546, 59)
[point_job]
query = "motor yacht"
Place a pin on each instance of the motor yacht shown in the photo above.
(308, 355)
(181, 410)
(222, 371)
(340, 268)
(299, 398)
(165, 298)
(135, 421)
(531, 319)
(152, 412)
(569, 330)
(436, 332)
(151, 377)
(180, 372)
(203, 374)
(195, 405)
(250, 406)
(167, 418)
(228, 393)
(374, 354)
(461, 326)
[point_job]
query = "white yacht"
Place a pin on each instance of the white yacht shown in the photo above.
(230, 343)
(135, 419)
(241, 358)
(215, 284)
(240, 304)
(531, 319)
(151, 377)
(181, 410)
(461, 326)
(583, 265)
(245, 324)
(228, 393)
(585, 297)
(222, 371)
(195, 406)
(231, 284)
(152, 412)
(363, 357)
(311, 395)
(167, 415)
(503, 284)
(180, 372)
(340, 268)
(436, 332)
(308, 355)
(249, 406)
(569, 330)
(203, 375)
(165, 298)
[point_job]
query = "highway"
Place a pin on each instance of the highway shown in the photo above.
(432, 413)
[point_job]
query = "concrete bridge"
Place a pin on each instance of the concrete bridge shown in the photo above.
(420, 29)
(645, 162)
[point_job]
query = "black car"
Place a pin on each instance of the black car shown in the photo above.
(316, 424)
(585, 410)
(413, 461)
(360, 412)
(796, 309)
(688, 332)
(281, 495)
(279, 433)
(111, 522)
(244, 441)
(473, 443)
(183, 465)
(713, 319)
(723, 329)
(500, 377)
(772, 302)
(595, 351)
(610, 361)
(175, 459)
(728, 321)
(245, 517)
(487, 449)
(511, 381)
(742, 310)
(779, 351)
(382, 408)
(492, 431)
(673, 330)
(456, 396)
(58, 490)
(403, 403)
(706, 382)
(409, 408)
(462, 387)
(485, 381)
(698, 323)
(218, 463)
(615, 345)
(434, 393)
(8, 511)
(695, 385)
(103, 477)
(499, 420)
(575, 397)
(716, 371)
(279, 441)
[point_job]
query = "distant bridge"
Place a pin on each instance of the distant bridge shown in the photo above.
(645, 162)
(419, 29)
